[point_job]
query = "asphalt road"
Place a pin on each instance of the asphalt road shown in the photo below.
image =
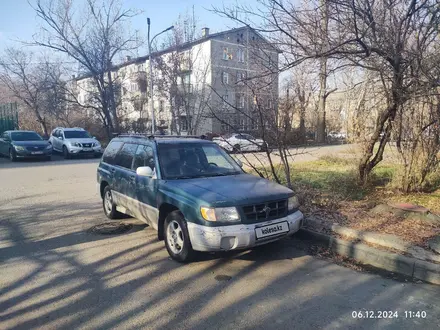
(55, 274)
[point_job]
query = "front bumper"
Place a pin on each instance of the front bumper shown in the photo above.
(32, 154)
(236, 237)
(86, 151)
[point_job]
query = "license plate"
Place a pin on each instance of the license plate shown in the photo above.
(36, 152)
(272, 230)
(87, 149)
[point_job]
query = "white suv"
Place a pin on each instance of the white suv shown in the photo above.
(74, 141)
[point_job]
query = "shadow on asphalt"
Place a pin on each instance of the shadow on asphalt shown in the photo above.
(56, 160)
(83, 280)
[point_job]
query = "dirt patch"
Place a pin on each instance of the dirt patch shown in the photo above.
(111, 228)
(357, 215)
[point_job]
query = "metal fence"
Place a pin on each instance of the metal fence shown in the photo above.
(8, 117)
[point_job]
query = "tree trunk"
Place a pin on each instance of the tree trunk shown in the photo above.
(41, 121)
(320, 125)
(44, 128)
(302, 126)
(111, 102)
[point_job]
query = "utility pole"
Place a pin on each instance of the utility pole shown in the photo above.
(150, 73)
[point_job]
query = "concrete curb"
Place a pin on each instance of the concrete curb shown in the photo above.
(382, 240)
(363, 253)
(387, 241)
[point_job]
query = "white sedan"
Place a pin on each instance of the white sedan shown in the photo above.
(240, 142)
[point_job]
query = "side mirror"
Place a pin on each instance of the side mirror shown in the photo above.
(144, 171)
(61, 137)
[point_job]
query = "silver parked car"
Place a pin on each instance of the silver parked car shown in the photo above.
(240, 142)
(74, 141)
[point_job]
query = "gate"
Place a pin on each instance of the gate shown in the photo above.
(8, 117)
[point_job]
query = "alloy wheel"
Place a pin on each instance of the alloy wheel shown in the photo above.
(175, 237)
(108, 202)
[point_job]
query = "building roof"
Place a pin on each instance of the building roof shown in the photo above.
(189, 44)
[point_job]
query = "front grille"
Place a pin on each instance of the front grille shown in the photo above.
(86, 145)
(265, 211)
(35, 148)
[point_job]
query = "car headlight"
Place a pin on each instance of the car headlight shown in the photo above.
(292, 203)
(221, 214)
(19, 148)
(49, 147)
(76, 144)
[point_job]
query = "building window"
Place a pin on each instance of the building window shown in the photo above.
(225, 99)
(161, 105)
(226, 55)
(225, 78)
(183, 124)
(240, 101)
(226, 125)
(269, 103)
(254, 124)
(241, 77)
(240, 55)
(186, 79)
(242, 123)
(270, 62)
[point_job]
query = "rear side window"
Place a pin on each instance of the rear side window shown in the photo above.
(124, 158)
(144, 157)
(111, 152)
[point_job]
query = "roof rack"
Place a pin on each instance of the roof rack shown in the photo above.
(152, 137)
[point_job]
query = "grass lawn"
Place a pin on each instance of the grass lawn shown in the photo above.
(329, 192)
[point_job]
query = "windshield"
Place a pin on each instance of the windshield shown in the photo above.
(25, 136)
(195, 160)
(76, 135)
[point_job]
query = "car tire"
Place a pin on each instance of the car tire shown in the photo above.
(109, 206)
(12, 155)
(66, 153)
(177, 239)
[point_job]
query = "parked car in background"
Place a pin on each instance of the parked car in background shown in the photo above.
(74, 141)
(194, 194)
(240, 142)
(337, 135)
(24, 144)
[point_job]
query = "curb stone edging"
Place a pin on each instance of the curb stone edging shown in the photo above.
(396, 263)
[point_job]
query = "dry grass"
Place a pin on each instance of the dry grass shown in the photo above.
(330, 193)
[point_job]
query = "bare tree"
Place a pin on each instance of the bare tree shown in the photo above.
(395, 39)
(35, 83)
(93, 36)
(183, 77)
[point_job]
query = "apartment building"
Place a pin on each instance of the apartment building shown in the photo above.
(214, 84)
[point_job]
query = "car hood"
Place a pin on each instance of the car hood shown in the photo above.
(85, 140)
(30, 143)
(241, 189)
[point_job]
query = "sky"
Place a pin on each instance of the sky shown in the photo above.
(18, 20)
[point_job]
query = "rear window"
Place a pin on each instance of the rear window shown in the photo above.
(124, 158)
(76, 135)
(111, 152)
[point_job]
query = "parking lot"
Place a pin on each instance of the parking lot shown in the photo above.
(55, 273)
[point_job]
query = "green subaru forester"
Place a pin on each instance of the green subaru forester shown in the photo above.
(194, 194)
